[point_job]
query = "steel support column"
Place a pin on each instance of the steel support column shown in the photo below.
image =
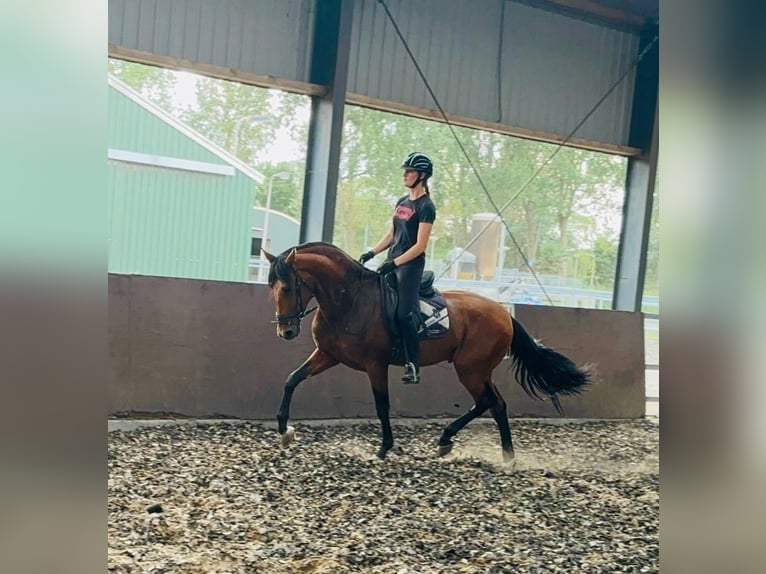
(639, 183)
(329, 67)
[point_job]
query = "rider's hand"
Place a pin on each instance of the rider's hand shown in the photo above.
(387, 266)
(365, 257)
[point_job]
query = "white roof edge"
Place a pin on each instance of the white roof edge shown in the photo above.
(197, 137)
(274, 211)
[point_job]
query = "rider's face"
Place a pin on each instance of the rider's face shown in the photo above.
(410, 176)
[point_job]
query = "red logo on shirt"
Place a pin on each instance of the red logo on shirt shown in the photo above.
(403, 212)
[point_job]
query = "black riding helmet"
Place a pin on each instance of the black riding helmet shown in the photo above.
(421, 163)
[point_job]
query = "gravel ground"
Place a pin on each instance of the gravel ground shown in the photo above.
(582, 497)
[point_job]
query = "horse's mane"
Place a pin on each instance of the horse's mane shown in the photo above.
(279, 269)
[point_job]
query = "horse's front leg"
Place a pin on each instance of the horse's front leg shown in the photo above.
(317, 362)
(378, 374)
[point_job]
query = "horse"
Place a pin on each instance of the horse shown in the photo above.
(481, 334)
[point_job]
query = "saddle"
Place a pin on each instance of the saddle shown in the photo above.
(434, 319)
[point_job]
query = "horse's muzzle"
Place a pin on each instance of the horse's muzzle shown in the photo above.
(289, 333)
(289, 326)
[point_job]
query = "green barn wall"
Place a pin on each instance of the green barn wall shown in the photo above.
(173, 222)
(178, 224)
(135, 128)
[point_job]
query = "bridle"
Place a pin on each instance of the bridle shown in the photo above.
(288, 320)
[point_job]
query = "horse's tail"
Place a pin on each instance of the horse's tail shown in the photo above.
(541, 370)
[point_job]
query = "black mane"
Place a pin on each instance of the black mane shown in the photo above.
(280, 270)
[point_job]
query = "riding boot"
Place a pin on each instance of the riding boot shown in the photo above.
(411, 345)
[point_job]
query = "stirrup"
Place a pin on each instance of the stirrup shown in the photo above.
(411, 374)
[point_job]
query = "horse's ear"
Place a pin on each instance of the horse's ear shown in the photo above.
(291, 258)
(269, 256)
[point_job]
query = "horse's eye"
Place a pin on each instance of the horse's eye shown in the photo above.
(286, 290)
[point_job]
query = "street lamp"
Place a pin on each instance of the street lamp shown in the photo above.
(265, 232)
(238, 128)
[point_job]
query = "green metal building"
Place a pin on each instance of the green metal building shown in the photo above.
(179, 205)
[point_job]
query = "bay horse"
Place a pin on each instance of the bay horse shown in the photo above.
(481, 333)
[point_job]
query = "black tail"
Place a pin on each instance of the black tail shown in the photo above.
(540, 370)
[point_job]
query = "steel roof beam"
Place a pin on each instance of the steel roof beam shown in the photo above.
(639, 184)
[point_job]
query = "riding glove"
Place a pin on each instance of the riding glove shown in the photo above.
(366, 257)
(387, 267)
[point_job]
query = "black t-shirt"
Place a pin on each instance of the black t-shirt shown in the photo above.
(408, 215)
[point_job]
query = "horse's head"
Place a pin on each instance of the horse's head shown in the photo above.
(290, 294)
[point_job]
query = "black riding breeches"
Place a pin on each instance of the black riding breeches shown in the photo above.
(408, 277)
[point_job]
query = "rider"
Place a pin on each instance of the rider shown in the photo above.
(407, 239)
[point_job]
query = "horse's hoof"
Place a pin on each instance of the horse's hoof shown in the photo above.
(445, 449)
(509, 463)
(508, 457)
(288, 436)
(383, 451)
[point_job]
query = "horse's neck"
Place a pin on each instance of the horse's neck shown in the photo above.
(335, 285)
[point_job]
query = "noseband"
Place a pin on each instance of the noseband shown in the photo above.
(288, 320)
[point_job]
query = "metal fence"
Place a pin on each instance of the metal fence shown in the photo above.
(519, 287)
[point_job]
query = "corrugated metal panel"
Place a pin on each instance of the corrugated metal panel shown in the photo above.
(450, 42)
(178, 224)
(553, 69)
(491, 60)
(266, 37)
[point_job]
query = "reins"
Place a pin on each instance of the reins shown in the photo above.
(295, 318)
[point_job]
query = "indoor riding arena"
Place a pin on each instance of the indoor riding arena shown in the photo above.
(200, 480)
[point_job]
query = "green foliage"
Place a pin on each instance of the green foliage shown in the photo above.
(652, 278)
(571, 207)
(605, 263)
(235, 116)
(286, 194)
(155, 84)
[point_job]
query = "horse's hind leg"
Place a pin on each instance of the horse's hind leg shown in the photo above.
(485, 398)
(500, 414)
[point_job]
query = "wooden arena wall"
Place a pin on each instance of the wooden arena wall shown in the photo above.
(207, 349)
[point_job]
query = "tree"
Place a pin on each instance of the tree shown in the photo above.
(156, 84)
(222, 115)
(604, 263)
(652, 277)
(286, 194)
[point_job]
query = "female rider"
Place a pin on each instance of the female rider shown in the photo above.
(407, 240)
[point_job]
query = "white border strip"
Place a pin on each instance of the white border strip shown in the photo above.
(170, 162)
